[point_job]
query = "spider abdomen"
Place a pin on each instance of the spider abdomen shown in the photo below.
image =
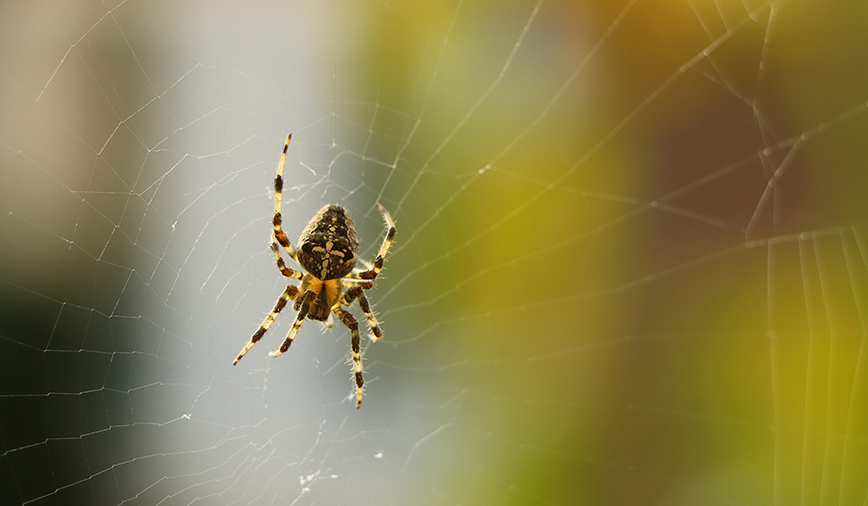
(328, 246)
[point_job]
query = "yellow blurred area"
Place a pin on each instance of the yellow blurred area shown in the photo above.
(641, 324)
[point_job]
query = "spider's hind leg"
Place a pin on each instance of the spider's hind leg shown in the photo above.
(281, 265)
(277, 222)
(373, 272)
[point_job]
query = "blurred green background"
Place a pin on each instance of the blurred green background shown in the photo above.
(631, 264)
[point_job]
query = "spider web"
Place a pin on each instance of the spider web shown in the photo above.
(631, 264)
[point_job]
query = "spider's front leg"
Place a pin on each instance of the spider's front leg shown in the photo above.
(290, 293)
(357, 292)
(304, 304)
(347, 319)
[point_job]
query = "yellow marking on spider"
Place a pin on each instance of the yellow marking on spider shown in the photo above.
(332, 288)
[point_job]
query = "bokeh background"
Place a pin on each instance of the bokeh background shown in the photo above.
(631, 264)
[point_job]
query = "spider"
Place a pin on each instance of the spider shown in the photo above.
(327, 251)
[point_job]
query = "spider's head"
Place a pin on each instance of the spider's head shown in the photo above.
(327, 295)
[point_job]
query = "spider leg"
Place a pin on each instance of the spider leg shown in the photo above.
(354, 293)
(347, 319)
(305, 302)
(277, 223)
(354, 275)
(286, 271)
(367, 266)
(372, 273)
(290, 293)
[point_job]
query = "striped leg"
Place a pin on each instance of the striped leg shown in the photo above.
(305, 303)
(286, 271)
(351, 323)
(354, 293)
(372, 273)
(277, 223)
(290, 293)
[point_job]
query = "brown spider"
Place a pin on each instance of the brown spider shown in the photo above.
(327, 251)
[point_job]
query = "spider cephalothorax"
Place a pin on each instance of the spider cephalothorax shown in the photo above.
(327, 251)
